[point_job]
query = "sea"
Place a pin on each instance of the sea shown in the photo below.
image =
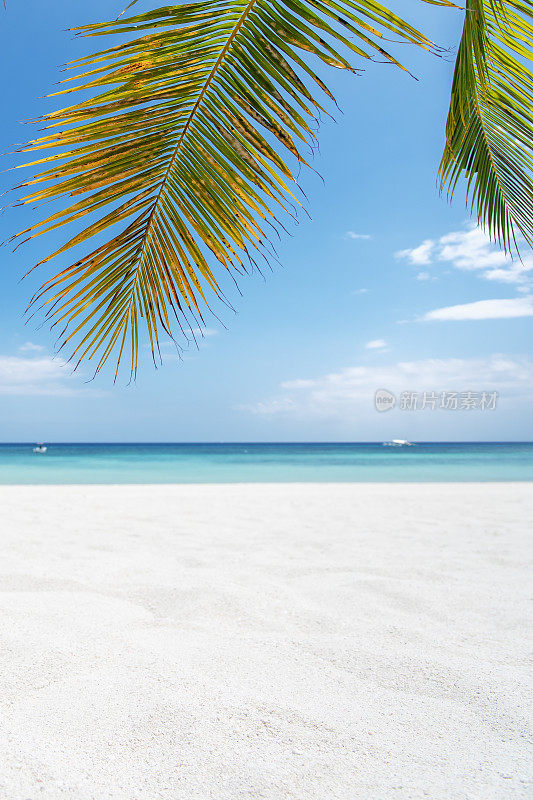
(265, 463)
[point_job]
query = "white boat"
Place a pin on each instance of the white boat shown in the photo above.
(398, 443)
(40, 448)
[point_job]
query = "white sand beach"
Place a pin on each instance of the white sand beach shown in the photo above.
(270, 642)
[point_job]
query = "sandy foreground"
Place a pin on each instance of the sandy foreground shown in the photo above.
(287, 642)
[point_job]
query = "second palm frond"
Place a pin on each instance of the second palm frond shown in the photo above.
(489, 132)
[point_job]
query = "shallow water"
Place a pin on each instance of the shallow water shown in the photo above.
(255, 463)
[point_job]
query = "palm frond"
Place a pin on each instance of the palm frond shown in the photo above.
(489, 131)
(182, 158)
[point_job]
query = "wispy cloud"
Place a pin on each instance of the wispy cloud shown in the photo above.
(376, 344)
(38, 376)
(205, 332)
(360, 291)
(197, 333)
(418, 255)
(483, 309)
(349, 393)
(516, 272)
(471, 250)
(353, 235)
(30, 347)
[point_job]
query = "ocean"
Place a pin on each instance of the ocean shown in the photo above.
(257, 463)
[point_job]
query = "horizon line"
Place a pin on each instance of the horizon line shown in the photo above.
(258, 442)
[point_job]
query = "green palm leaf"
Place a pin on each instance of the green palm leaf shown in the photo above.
(489, 132)
(183, 156)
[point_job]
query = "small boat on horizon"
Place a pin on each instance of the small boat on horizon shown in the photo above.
(40, 448)
(398, 443)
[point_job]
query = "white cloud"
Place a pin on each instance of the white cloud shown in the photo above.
(195, 337)
(376, 344)
(201, 333)
(349, 393)
(36, 376)
(484, 309)
(471, 250)
(423, 276)
(299, 383)
(205, 332)
(30, 347)
(281, 405)
(418, 255)
(360, 291)
(353, 235)
(517, 272)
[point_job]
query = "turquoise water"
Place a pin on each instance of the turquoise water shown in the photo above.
(254, 463)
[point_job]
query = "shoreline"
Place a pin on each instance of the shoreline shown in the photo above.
(220, 484)
(279, 640)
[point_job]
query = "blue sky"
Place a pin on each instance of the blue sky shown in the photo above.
(388, 286)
